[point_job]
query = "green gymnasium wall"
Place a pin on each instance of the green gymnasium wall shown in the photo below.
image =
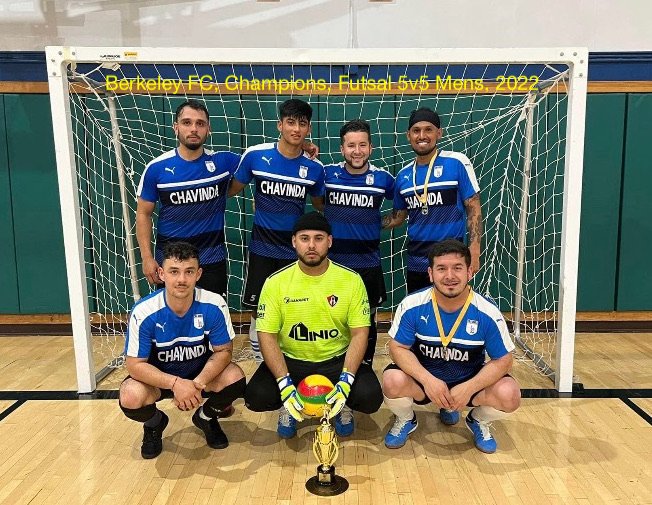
(613, 273)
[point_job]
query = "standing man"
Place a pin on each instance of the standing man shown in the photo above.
(284, 176)
(313, 318)
(440, 194)
(439, 339)
(179, 345)
(355, 190)
(190, 182)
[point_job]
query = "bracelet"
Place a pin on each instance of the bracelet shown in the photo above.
(175, 381)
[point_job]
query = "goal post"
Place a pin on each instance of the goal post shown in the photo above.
(518, 114)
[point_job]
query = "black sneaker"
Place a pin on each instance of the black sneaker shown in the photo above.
(215, 437)
(153, 439)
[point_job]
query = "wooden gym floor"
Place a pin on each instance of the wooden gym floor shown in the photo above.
(589, 449)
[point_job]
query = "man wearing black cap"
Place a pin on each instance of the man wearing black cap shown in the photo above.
(313, 318)
(439, 193)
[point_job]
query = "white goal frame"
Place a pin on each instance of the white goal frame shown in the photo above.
(60, 57)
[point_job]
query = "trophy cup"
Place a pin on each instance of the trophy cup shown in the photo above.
(326, 449)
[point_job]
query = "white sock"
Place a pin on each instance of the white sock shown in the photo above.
(486, 414)
(253, 340)
(203, 415)
(401, 407)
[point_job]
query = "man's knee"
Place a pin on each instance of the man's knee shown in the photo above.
(134, 394)
(395, 382)
(367, 397)
(508, 394)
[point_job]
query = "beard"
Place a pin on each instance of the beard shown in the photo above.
(349, 162)
(192, 144)
(423, 150)
(457, 291)
(312, 261)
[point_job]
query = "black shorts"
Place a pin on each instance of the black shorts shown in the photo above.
(374, 283)
(417, 280)
(213, 278)
(426, 400)
(259, 268)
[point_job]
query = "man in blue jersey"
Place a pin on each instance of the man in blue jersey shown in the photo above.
(439, 193)
(190, 182)
(284, 176)
(355, 190)
(179, 345)
(440, 336)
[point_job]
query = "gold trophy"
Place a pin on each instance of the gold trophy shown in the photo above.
(326, 449)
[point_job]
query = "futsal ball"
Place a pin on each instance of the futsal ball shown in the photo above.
(312, 392)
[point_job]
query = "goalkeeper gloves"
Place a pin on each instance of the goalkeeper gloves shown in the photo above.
(290, 397)
(340, 393)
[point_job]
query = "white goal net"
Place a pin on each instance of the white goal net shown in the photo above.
(517, 114)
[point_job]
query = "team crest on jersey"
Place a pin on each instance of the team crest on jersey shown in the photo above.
(471, 326)
(439, 169)
(369, 181)
(303, 172)
(332, 300)
(210, 166)
(199, 321)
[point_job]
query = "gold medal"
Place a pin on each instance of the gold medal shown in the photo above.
(445, 339)
(423, 197)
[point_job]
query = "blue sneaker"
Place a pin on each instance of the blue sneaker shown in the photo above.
(481, 434)
(344, 422)
(398, 434)
(287, 425)
(449, 417)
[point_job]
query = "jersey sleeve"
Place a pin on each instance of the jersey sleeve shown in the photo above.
(497, 340)
(243, 172)
(140, 332)
(403, 328)
(228, 160)
(221, 329)
(318, 188)
(147, 189)
(269, 317)
(359, 310)
(389, 187)
(467, 180)
(399, 200)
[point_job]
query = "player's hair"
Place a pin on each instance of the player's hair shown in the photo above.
(357, 125)
(449, 246)
(295, 108)
(181, 251)
(193, 104)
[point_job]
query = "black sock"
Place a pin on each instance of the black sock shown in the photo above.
(154, 421)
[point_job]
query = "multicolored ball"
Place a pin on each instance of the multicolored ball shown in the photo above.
(312, 392)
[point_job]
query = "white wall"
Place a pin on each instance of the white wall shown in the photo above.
(602, 25)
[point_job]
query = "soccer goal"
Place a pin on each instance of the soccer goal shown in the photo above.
(518, 114)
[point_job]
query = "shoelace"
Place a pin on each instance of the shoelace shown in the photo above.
(284, 418)
(346, 415)
(398, 426)
(484, 428)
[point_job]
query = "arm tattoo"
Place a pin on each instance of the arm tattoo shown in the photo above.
(474, 218)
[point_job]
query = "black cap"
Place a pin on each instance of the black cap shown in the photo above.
(311, 221)
(424, 114)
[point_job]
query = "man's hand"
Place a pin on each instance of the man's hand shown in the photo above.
(340, 393)
(150, 270)
(311, 149)
(187, 396)
(460, 394)
(290, 397)
(438, 392)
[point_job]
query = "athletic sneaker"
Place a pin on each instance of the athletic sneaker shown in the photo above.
(287, 425)
(449, 417)
(344, 422)
(153, 438)
(481, 434)
(398, 434)
(215, 437)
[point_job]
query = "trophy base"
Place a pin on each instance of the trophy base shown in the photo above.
(326, 483)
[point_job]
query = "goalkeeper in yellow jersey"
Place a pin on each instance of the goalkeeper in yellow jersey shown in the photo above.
(313, 318)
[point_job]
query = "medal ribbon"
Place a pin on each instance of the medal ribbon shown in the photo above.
(423, 199)
(446, 339)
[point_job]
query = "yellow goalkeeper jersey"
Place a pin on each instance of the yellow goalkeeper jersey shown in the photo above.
(313, 315)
